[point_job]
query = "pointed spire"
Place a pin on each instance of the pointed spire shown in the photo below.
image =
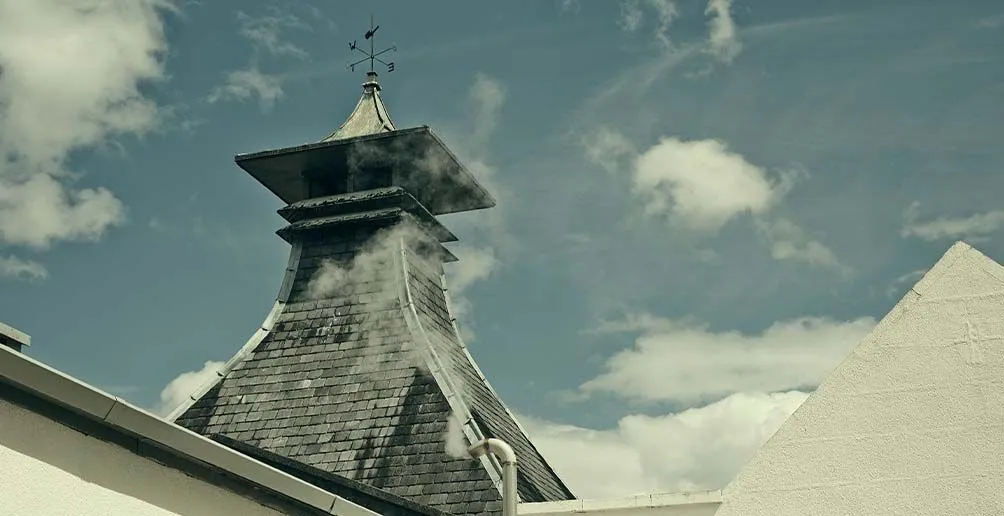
(369, 117)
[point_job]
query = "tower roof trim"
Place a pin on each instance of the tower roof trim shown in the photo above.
(426, 168)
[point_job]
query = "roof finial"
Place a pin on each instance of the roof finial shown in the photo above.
(372, 56)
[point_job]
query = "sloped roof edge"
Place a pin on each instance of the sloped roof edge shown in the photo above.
(253, 342)
(484, 379)
(45, 383)
(956, 252)
(460, 410)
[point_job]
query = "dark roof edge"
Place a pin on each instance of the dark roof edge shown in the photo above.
(287, 464)
(331, 143)
(434, 364)
(484, 379)
(491, 198)
(44, 383)
(256, 338)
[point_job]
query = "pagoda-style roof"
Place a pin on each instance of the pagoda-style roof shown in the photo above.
(414, 159)
(365, 381)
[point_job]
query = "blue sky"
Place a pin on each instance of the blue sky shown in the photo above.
(703, 205)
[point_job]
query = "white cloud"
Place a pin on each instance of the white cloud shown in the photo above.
(701, 184)
(19, 268)
(40, 211)
(71, 76)
(633, 16)
(972, 227)
(699, 448)
(242, 85)
(788, 241)
(723, 40)
(181, 388)
(686, 361)
(607, 148)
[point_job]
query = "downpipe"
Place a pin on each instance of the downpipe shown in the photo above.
(507, 457)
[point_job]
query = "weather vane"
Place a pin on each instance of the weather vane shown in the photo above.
(372, 56)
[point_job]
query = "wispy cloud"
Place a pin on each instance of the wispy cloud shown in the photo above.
(974, 227)
(994, 21)
(723, 39)
(898, 284)
(475, 264)
(486, 96)
(634, 13)
(788, 241)
(21, 269)
(486, 230)
(571, 6)
(264, 31)
(242, 85)
(266, 35)
(607, 148)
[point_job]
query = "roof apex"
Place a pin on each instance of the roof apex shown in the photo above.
(369, 117)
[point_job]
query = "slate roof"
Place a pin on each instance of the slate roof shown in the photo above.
(361, 382)
(369, 117)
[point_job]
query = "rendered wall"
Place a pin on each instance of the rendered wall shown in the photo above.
(47, 469)
(912, 422)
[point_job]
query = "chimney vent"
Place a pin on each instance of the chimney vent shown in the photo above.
(13, 338)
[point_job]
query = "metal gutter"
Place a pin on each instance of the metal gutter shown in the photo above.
(46, 383)
(435, 366)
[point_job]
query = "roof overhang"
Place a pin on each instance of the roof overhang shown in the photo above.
(419, 161)
(75, 404)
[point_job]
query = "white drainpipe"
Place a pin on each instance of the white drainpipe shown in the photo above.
(508, 459)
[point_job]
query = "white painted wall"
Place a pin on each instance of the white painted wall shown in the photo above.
(47, 469)
(911, 423)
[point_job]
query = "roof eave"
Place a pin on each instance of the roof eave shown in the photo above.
(47, 384)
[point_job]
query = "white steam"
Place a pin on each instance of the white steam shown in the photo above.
(455, 442)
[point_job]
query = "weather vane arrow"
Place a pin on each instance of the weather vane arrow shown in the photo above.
(372, 56)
